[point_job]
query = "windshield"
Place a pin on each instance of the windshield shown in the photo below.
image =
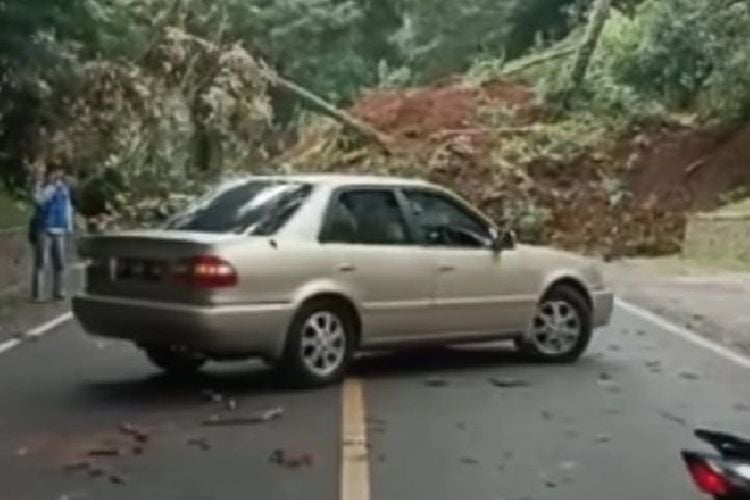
(257, 207)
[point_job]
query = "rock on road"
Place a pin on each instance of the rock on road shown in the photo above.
(468, 423)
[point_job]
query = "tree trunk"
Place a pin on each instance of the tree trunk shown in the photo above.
(545, 57)
(364, 129)
(599, 15)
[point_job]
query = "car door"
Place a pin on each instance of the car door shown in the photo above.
(381, 261)
(478, 290)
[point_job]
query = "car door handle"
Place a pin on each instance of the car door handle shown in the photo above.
(346, 267)
(445, 268)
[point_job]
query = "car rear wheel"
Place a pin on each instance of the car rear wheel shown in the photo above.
(320, 343)
(562, 327)
(174, 360)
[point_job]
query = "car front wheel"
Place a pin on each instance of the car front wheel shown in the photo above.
(562, 327)
(320, 343)
(173, 360)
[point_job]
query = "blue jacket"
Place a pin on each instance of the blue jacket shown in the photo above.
(55, 209)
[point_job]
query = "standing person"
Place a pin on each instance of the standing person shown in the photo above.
(54, 221)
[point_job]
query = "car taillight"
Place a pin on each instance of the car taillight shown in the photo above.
(205, 271)
(708, 479)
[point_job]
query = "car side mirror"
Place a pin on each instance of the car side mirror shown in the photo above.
(503, 240)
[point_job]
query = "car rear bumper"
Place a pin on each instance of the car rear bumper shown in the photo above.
(220, 330)
(603, 304)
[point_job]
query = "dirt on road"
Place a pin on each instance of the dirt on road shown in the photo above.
(712, 302)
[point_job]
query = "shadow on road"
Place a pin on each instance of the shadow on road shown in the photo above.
(248, 379)
(428, 360)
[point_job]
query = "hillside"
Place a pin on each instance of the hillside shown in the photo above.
(574, 184)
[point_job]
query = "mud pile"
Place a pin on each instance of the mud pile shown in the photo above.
(625, 195)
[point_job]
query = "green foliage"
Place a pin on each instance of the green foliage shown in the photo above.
(13, 213)
(679, 54)
(438, 38)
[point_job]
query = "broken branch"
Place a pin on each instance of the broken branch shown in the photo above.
(540, 59)
(364, 129)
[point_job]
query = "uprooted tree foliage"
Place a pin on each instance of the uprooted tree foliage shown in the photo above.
(147, 99)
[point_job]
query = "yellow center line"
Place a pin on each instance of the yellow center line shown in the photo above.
(355, 467)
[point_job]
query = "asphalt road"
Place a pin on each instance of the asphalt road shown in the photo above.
(438, 427)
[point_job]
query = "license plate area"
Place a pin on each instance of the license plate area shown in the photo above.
(138, 269)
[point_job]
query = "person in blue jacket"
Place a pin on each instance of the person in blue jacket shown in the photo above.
(51, 223)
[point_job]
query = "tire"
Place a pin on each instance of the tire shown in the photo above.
(540, 344)
(174, 361)
(310, 361)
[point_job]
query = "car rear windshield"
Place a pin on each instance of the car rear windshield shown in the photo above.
(258, 207)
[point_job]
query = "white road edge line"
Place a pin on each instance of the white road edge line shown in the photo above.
(36, 332)
(8, 345)
(684, 333)
(50, 325)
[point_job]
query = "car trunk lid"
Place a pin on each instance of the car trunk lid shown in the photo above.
(143, 264)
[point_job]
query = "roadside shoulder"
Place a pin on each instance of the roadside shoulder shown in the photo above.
(712, 303)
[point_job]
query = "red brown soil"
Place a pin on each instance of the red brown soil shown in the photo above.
(668, 173)
(422, 112)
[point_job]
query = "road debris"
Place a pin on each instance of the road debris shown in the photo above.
(673, 418)
(469, 461)
(689, 375)
(547, 415)
(641, 333)
(96, 471)
(231, 404)
(105, 451)
(605, 376)
(654, 366)
(508, 382)
(77, 466)
(217, 420)
(22, 452)
(199, 442)
(132, 431)
(603, 438)
(435, 382)
(291, 460)
(117, 479)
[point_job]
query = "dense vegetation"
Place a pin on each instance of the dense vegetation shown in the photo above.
(144, 98)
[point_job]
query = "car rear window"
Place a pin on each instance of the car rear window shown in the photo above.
(258, 207)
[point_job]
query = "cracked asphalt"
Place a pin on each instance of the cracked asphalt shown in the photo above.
(474, 423)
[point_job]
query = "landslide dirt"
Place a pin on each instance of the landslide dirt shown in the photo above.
(456, 135)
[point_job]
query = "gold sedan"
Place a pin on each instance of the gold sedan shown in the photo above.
(305, 271)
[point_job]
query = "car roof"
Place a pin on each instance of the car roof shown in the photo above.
(338, 180)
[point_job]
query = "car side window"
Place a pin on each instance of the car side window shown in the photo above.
(366, 217)
(443, 222)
